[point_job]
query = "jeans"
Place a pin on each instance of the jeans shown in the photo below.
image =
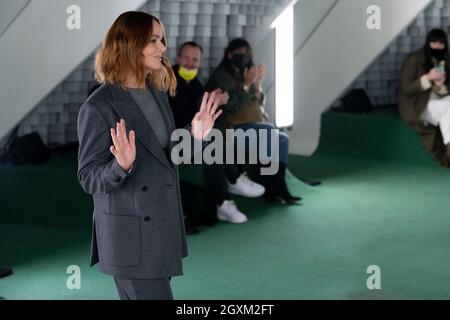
(281, 137)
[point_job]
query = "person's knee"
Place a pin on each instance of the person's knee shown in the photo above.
(284, 139)
(269, 125)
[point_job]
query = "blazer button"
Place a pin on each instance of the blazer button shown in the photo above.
(146, 219)
(144, 188)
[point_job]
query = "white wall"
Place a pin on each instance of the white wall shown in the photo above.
(263, 44)
(338, 51)
(47, 51)
(307, 16)
(9, 10)
(264, 52)
(382, 78)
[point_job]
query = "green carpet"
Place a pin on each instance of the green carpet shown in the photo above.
(383, 202)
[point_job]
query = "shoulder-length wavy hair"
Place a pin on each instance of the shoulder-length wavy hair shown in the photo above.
(121, 53)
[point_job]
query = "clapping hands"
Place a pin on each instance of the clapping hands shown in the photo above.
(255, 75)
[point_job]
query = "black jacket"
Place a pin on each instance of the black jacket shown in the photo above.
(187, 100)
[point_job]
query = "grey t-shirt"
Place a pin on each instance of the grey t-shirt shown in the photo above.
(152, 112)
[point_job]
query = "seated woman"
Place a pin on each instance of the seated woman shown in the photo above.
(424, 101)
(238, 76)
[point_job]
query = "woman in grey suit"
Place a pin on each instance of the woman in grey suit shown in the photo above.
(124, 132)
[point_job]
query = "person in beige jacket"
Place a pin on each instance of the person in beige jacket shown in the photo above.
(424, 100)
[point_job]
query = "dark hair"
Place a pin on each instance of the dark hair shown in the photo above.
(189, 44)
(435, 35)
(235, 44)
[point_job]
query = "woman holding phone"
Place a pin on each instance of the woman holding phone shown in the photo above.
(424, 101)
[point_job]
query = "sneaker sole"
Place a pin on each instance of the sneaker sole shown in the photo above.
(234, 222)
(256, 195)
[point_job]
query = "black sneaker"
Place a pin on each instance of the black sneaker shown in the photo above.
(190, 228)
(5, 272)
(272, 198)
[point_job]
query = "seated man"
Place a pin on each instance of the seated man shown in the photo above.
(424, 101)
(221, 180)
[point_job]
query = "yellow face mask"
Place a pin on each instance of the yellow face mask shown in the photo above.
(186, 74)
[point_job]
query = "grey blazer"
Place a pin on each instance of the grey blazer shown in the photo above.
(138, 229)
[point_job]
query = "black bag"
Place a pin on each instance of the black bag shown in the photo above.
(357, 101)
(27, 149)
(198, 205)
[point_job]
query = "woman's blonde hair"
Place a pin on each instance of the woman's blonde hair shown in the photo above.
(121, 53)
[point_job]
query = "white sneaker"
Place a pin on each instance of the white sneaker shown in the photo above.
(230, 213)
(246, 187)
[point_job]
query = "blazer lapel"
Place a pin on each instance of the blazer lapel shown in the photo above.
(127, 109)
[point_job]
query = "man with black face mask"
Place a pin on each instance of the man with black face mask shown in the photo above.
(424, 101)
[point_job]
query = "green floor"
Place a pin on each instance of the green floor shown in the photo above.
(383, 202)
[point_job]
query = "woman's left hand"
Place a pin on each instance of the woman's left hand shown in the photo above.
(204, 120)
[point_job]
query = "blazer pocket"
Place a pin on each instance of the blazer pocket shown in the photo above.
(120, 240)
(121, 201)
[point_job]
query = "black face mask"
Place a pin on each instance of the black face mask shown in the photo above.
(438, 54)
(240, 60)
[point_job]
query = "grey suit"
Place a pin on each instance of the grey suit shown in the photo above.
(138, 229)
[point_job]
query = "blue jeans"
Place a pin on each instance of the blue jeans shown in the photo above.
(283, 138)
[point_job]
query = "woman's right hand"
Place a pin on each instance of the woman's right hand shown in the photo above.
(224, 97)
(124, 147)
(250, 76)
(434, 75)
(261, 72)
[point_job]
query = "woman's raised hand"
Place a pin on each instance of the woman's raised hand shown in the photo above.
(204, 120)
(261, 72)
(124, 147)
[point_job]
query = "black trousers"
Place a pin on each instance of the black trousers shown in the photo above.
(144, 289)
(216, 177)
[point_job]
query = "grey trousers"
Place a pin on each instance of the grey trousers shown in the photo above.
(144, 289)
